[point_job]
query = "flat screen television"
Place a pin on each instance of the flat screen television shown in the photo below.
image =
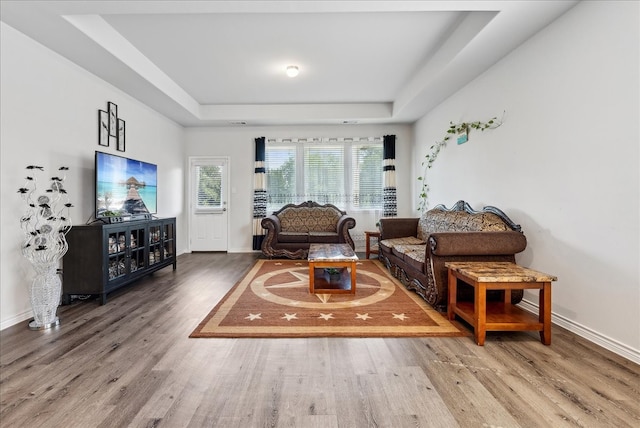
(125, 187)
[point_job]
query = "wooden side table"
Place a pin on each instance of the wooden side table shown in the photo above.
(371, 249)
(499, 316)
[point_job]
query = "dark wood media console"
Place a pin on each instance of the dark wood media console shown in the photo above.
(104, 257)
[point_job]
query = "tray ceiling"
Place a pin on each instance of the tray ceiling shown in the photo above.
(216, 63)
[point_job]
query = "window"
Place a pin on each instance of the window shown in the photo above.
(323, 180)
(343, 172)
(208, 180)
(367, 177)
(280, 174)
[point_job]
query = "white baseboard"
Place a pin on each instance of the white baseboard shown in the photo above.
(591, 335)
(23, 316)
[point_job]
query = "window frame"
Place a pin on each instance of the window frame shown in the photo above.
(348, 173)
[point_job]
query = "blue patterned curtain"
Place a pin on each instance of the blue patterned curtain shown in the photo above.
(259, 194)
(390, 206)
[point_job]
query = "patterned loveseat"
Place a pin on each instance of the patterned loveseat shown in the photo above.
(416, 249)
(293, 228)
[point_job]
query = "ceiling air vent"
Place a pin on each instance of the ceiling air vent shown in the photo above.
(238, 122)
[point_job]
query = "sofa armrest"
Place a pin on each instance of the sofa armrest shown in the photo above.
(272, 224)
(398, 227)
(345, 223)
(476, 243)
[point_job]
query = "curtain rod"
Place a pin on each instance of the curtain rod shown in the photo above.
(324, 140)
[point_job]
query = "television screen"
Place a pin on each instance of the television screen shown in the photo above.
(125, 187)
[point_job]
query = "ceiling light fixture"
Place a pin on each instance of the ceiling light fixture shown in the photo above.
(292, 70)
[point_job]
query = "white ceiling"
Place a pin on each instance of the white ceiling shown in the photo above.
(216, 63)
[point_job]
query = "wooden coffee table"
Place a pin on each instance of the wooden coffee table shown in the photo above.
(499, 316)
(338, 256)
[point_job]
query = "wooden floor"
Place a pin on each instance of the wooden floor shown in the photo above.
(130, 363)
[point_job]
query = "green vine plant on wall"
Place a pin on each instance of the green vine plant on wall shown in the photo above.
(462, 130)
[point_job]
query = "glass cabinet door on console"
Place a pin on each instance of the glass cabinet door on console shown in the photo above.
(125, 251)
(137, 259)
(117, 250)
(155, 244)
(161, 242)
(168, 240)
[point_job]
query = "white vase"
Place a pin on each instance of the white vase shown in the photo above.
(45, 293)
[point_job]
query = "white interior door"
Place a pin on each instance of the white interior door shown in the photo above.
(209, 208)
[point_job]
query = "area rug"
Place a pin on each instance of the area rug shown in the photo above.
(273, 300)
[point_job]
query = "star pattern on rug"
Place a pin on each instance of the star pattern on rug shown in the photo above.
(326, 317)
(290, 317)
(400, 317)
(252, 317)
(363, 317)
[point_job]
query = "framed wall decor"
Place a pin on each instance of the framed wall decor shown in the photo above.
(103, 128)
(121, 135)
(113, 119)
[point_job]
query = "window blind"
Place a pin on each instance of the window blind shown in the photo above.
(280, 172)
(367, 176)
(209, 185)
(324, 167)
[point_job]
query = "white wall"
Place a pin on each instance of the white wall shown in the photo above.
(564, 164)
(49, 117)
(238, 144)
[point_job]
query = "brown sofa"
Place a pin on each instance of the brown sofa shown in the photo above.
(416, 249)
(292, 229)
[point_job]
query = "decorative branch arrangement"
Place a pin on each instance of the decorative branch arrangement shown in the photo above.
(45, 225)
(461, 129)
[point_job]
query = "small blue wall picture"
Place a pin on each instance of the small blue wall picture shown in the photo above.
(462, 138)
